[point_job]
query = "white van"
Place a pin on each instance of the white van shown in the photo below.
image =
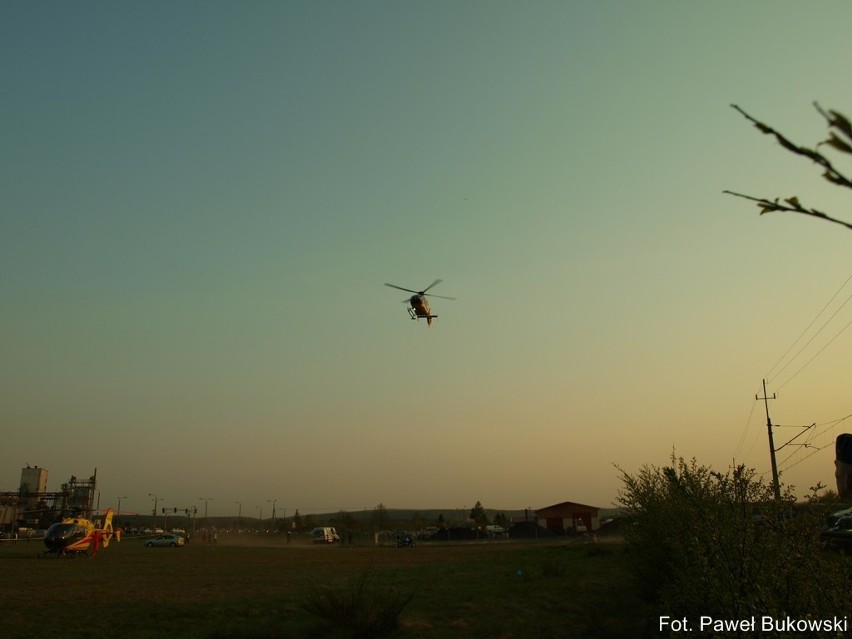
(325, 535)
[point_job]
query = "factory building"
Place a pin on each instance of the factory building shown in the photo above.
(32, 505)
(33, 480)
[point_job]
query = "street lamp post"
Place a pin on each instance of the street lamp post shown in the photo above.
(118, 512)
(154, 512)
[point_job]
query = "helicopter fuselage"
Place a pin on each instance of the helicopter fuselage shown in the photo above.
(420, 308)
(75, 534)
(72, 535)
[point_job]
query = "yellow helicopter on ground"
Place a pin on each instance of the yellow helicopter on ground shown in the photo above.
(419, 303)
(74, 535)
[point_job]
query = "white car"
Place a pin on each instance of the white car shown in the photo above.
(166, 540)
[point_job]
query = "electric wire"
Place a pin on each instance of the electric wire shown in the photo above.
(818, 353)
(745, 431)
(800, 460)
(768, 375)
(818, 429)
(773, 374)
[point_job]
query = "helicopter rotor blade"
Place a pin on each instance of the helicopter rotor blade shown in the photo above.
(443, 297)
(438, 281)
(401, 289)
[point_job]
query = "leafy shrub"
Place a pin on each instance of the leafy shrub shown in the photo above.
(357, 606)
(706, 543)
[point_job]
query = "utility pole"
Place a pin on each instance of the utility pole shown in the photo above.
(206, 500)
(776, 487)
(154, 512)
(273, 502)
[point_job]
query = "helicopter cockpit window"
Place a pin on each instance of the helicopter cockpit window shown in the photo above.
(65, 531)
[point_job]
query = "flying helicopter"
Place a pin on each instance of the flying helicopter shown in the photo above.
(419, 303)
(74, 535)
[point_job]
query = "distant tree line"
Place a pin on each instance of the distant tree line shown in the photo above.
(378, 519)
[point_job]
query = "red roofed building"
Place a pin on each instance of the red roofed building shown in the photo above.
(568, 517)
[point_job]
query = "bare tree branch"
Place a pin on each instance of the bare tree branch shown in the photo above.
(793, 205)
(836, 121)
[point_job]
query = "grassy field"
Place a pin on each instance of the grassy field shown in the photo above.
(252, 587)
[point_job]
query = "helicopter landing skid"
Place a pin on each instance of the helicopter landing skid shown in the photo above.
(415, 316)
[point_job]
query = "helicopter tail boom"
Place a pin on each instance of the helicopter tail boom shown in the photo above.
(107, 529)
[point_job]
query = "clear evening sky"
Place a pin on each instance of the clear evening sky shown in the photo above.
(200, 203)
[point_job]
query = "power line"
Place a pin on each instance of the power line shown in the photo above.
(816, 450)
(794, 438)
(745, 432)
(818, 429)
(769, 375)
(827, 344)
(772, 375)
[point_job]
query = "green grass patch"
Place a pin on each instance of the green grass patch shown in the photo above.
(274, 591)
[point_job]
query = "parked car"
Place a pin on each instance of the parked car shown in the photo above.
(404, 539)
(838, 529)
(836, 516)
(165, 540)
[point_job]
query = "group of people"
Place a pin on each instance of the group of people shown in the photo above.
(207, 537)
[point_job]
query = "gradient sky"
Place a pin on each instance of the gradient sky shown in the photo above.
(200, 202)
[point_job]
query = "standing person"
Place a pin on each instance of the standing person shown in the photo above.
(96, 542)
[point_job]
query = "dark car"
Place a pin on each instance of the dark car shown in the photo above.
(839, 534)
